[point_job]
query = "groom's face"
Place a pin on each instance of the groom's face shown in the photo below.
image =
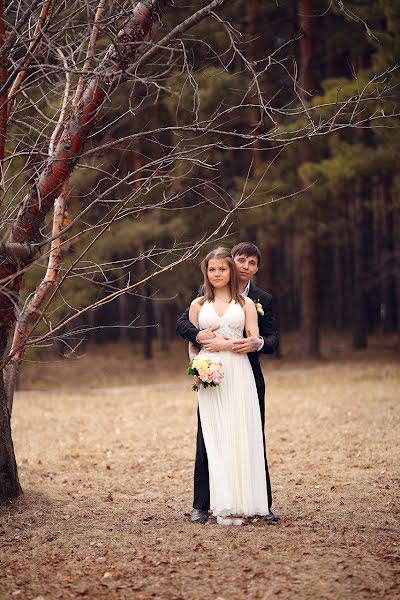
(246, 267)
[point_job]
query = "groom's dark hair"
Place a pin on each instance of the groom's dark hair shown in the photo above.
(246, 249)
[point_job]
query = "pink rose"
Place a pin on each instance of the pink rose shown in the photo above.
(216, 377)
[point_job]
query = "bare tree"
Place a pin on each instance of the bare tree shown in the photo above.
(22, 246)
(69, 83)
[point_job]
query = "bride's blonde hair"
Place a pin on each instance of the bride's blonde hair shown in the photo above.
(208, 290)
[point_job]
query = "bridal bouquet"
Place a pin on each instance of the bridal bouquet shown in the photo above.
(208, 370)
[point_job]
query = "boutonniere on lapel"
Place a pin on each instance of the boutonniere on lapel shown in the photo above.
(259, 307)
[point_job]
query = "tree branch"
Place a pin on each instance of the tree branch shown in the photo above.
(173, 35)
(58, 168)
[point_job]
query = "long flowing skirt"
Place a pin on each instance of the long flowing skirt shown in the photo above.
(232, 430)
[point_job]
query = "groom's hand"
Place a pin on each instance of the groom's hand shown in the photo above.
(217, 343)
(245, 345)
(206, 334)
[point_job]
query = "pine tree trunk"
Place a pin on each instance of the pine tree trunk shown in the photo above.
(396, 265)
(338, 292)
(348, 265)
(148, 322)
(359, 306)
(161, 314)
(295, 281)
(388, 285)
(266, 270)
(370, 301)
(309, 327)
(374, 289)
(123, 308)
(252, 54)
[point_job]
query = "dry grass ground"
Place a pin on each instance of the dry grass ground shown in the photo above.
(107, 475)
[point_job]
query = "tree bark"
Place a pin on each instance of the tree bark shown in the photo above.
(309, 326)
(266, 274)
(3, 79)
(359, 306)
(387, 271)
(252, 20)
(396, 266)
(9, 483)
(162, 316)
(339, 287)
(374, 284)
(123, 308)
(148, 322)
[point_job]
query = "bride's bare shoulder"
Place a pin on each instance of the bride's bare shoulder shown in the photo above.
(195, 304)
(197, 301)
(194, 310)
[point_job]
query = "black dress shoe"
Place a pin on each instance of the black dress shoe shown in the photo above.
(271, 518)
(199, 516)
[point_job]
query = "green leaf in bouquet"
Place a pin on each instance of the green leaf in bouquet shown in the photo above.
(192, 371)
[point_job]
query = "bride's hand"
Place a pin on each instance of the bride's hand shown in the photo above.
(218, 343)
(197, 381)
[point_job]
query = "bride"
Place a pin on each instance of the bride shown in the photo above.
(230, 413)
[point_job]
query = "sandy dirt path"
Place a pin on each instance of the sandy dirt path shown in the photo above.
(108, 488)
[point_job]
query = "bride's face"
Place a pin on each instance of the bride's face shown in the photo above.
(218, 272)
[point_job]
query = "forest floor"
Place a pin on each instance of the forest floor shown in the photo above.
(106, 462)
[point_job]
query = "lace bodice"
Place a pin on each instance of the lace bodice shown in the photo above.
(231, 323)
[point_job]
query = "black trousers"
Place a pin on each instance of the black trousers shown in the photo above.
(201, 477)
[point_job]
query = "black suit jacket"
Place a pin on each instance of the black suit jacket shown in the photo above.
(266, 325)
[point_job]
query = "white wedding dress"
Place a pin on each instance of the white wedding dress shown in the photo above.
(231, 424)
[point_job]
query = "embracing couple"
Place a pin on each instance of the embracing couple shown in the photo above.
(231, 321)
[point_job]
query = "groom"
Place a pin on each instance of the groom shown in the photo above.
(247, 259)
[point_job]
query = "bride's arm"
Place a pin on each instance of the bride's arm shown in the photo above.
(251, 319)
(194, 318)
(193, 350)
(194, 312)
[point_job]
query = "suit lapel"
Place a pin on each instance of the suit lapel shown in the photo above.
(253, 292)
